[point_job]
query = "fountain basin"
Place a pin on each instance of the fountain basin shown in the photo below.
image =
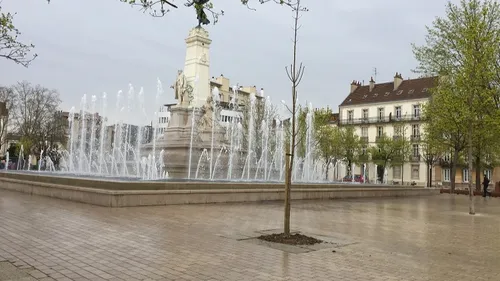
(113, 192)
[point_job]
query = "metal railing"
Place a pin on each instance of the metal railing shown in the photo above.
(379, 119)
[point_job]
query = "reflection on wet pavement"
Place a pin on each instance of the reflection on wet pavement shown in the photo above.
(427, 238)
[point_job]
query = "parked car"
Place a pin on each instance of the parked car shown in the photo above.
(357, 178)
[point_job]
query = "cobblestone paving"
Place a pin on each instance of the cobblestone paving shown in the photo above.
(428, 238)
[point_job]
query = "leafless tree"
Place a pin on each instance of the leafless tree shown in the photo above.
(34, 113)
(10, 47)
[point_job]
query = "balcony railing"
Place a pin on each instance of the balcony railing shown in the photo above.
(364, 139)
(415, 137)
(415, 158)
(396, 138)
(379, 119)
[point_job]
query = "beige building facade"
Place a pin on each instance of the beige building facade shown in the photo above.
(392, 109)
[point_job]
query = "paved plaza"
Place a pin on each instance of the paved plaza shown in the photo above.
(428, 238)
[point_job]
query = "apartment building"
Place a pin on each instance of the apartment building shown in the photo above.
(394, 109)
(233, 103)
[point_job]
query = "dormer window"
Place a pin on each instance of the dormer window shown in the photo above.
(365, 96)
(424, 90)
(375, 95)
(399, 92)
(387, 93)
(411, 91)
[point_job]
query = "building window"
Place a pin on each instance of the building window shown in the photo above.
(363, 151)
(415, 150)
(398, 130)
(415, 129)
(364, 131)
(365, 114)
(487, 173)
(396, 172)
(447, 157)
(398, 112)
(381, 113)
(380, 131)
(465, 175)
(446, 175)
(415, 172)
(416, 111)
(350, 115)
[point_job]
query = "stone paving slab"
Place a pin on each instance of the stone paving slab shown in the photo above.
(427, 238)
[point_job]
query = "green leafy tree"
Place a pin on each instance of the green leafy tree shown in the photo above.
(384, 152)
(10, 46)
(351, 147)
(432, 150)
(327, 139)
(446, 118)
(402, 141)
(464, 47)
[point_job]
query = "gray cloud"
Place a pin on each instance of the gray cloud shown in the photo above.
(95, 46)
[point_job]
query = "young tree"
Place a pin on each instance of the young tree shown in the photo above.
(350, 147)
(465, 47)
(386, 149)
(295, 74)
(326, 139)
(432, 151)
(402, 140)
(10, 47)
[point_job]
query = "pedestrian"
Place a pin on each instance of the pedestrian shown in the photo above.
(486, 183)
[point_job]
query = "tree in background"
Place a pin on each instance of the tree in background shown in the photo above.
(10, 46)
(35, 116)
(350, 147)
(403, 141)
(8, 97)
(432, 150)
(326, 139)
(464, 47)
(385, 151)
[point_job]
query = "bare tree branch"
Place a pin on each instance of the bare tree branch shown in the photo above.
(10, 47)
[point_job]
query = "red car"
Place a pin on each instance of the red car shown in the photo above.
(357, 178)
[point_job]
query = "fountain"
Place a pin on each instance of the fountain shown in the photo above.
(197, 144)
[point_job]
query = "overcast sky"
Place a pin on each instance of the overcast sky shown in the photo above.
(95, 46)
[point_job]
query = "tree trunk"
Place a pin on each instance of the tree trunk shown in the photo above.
(471, 190)
(288, 180)
(453, 171)
(429, 174)
(478, 173)
(327, 169)
(402, 174)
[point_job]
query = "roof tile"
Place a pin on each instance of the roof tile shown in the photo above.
(384, 92)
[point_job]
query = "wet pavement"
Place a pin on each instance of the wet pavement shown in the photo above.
(427, 238)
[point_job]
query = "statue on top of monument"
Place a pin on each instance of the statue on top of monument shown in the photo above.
(199, 6)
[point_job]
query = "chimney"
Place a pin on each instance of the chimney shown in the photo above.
(398, 79)
(372, 84)
(354, 86)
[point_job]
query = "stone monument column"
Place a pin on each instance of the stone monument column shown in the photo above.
(196, 65)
